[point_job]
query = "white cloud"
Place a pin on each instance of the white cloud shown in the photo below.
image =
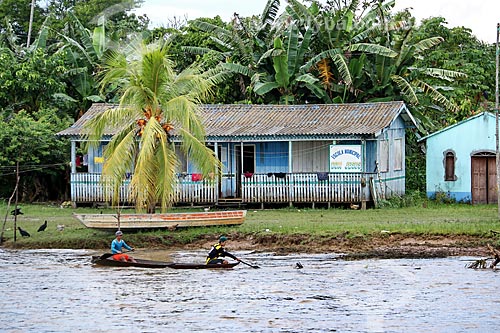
(480, 15)
(160, 12)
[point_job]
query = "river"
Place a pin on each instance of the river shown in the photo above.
(60, 291)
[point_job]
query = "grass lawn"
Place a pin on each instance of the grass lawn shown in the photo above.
(431, 220)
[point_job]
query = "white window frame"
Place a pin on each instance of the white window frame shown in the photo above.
(398, 154)
(383, 164)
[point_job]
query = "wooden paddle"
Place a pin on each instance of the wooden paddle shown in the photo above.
(253, 266)
(107, 255)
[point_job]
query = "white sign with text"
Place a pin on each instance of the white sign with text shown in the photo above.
(345, 158)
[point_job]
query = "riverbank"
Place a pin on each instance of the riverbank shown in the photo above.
(383, 246)
(423, 231)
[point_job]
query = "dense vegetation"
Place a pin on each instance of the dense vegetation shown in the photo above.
(338, 52)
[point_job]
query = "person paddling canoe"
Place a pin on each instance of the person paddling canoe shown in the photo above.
(116, 248)
(218, 251)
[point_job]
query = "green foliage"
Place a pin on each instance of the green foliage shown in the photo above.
(415, 163)
(17, 13)
(412, 198)
(460, 51)
(31, 80)
(29, 139)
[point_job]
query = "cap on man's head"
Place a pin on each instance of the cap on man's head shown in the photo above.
(222, 238)
(118, 233)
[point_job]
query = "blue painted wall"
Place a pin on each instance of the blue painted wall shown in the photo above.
(394, 179)
(464, 139)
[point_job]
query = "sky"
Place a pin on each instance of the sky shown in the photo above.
(481, 16)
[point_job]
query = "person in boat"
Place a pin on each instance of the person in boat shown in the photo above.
(117, 246)
(218, 251)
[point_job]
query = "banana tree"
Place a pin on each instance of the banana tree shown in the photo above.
(400, 76)
(340, 44)
(286, 76)
(84, 51)
(242, 43)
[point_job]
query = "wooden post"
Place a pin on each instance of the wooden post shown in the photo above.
(7, 212)
(17, 200)
(496, 118)
(218, 174)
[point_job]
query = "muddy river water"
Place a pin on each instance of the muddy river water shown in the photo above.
(60, 291)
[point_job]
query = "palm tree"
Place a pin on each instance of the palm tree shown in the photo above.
(154, 102)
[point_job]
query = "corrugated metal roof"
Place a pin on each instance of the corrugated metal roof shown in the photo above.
(250, 120)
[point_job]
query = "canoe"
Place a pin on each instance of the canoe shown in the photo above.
(102, 261)
(107, 260)
(162, 220)
(201, 266)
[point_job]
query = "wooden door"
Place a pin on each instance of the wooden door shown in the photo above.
(492, 180)
(484, 188)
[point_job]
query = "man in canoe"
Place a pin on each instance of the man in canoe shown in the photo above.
(218, 251)
(116, 248)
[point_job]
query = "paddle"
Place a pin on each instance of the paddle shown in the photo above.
(253, 266)
(107, 255)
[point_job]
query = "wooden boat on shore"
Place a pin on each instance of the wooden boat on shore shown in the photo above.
(107, 260)
(162, 220)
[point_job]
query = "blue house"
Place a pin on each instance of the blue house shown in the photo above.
(342, 153)
(461, 162)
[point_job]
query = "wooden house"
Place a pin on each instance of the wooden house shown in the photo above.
(461, 162)
(328, 154)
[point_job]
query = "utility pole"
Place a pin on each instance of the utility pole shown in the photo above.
(496, 118)
(31, 22)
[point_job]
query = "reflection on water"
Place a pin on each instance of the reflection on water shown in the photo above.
(60, 291)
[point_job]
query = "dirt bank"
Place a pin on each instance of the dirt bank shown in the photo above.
(348, 246)
(358, 247)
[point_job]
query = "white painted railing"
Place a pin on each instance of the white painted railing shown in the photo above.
(305, 187)
(257, 188)
(87, 188)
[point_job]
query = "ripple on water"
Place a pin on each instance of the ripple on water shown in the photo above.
(58, 290)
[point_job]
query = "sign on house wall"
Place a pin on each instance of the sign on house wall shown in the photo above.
(345, 158)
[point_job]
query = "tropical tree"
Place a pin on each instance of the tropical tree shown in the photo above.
(28, 139)
(293, 85)
(84, 52)
(461, 51)
(424, 88)
(341, 42)
(241, 44)
(31, 77)
(15, 15)
(155, 103)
